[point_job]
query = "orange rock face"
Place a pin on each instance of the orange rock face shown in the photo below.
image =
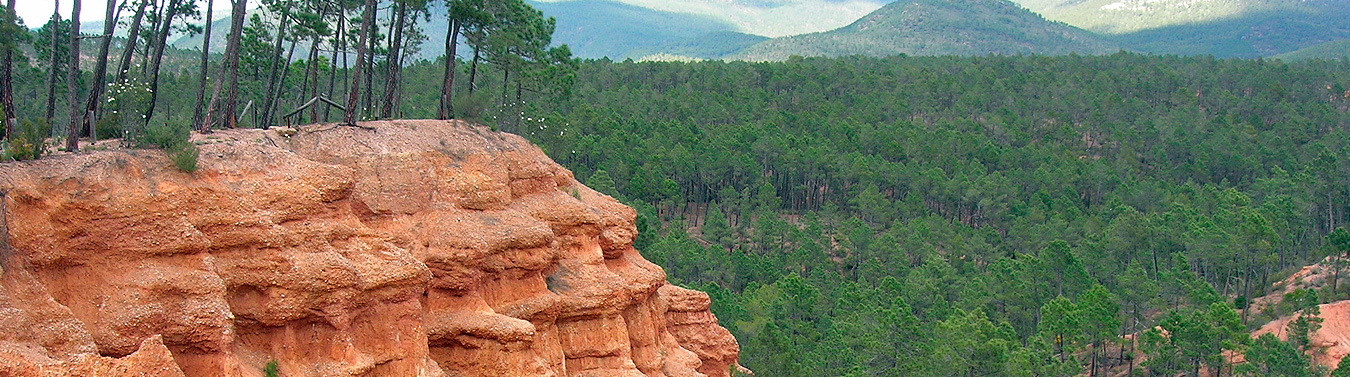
(403, 248)
(1331, 342)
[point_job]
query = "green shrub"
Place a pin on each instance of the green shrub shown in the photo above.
(184, 156)
(109, 127)
(165, 136)
(472, 107)
(270, 370)
(173, 139)
(28, 142)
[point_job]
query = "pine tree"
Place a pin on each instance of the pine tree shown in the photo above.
(602, 182)
(1305, 326)
(97, 85)
(72, 81)
(1060, 325)
(1342, 368)
(172, 10)
(1100, 320)
(219, 109)
(353, 91)
(9, 34)
(715, 228)
(200, 108)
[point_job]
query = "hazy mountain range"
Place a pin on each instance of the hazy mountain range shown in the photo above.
(776, 29)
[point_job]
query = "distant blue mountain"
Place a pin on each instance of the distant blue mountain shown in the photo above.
(598, 28)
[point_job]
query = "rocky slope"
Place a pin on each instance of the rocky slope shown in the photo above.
(1331, 343)
(405, 248)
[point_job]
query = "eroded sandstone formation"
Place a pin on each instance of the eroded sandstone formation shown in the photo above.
(403, 248)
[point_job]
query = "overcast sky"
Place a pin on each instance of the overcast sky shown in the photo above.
(36, 12)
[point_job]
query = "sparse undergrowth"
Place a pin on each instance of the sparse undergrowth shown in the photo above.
(29, 142)
(173, 139)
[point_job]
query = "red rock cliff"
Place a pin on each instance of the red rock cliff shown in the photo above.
(404, 248)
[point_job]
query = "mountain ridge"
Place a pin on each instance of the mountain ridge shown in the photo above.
(938, 27)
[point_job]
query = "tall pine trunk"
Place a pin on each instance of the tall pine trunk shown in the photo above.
(367, 24)
(124, 63)
(473, 71)
(229, 71)
(53, 64)
(150, 39)
(162, 40)
(7, 78)
(447, 109)
(312, 77)
(281, 82)
(97, 85)
(369, 84)
(73, 80)
(403, 56)
(393, 79)
(206, 64)
(339, 46)
(368, 95)
(506, 82)
(270, 98)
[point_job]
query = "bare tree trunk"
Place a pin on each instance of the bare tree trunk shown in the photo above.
(340, 46)
(402, 56)
(368, 94)
(130, 48)
(303, 91)
(231, 118)
(171, 11)
(73, 80)
(270, 98)
(1093, 370)
(229, 71)
(53, 64)
(7, 78)
(368, 89)
(394, 79)
(312, 77)
(97, 85)
(150, 40)
(447, 109)
(367, 26)
(281, 83)
(206, 57)
(473, 71)
(506, 82)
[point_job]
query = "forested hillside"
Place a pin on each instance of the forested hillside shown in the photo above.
(937, 27)
(1224, 28)
(1329, 50)
(972, 216)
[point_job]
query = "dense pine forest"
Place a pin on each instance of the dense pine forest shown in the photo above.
(902, 216)
(950, 216)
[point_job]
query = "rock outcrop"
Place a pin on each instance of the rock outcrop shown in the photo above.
(1330, 343)
(402, 248)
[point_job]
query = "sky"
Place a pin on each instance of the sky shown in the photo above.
(36, 12)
